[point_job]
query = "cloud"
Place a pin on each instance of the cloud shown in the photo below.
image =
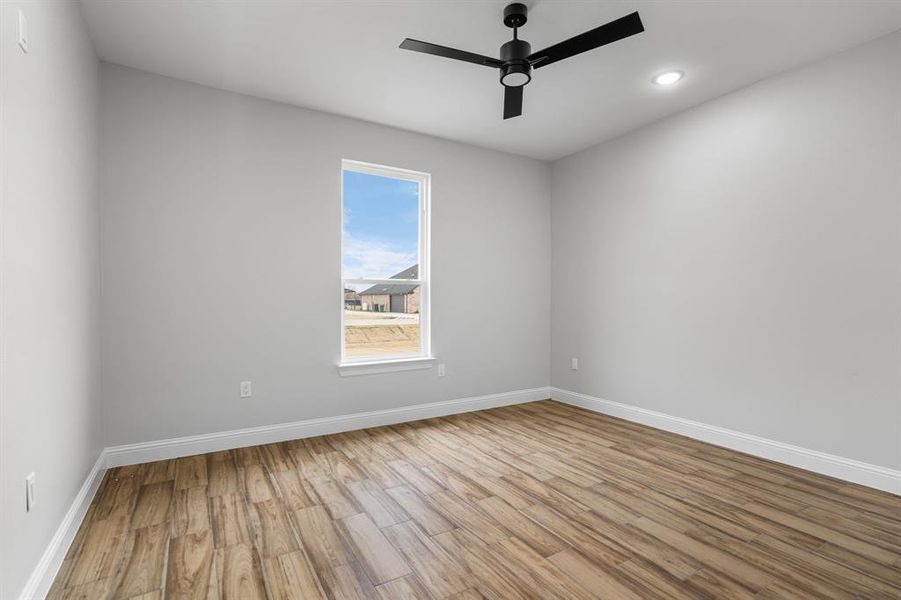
(372, 259)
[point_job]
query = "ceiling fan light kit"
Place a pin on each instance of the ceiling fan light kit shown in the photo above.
(517, 59)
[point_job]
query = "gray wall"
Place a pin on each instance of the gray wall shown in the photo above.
(49, 277)
(220, 244)
(740, 264)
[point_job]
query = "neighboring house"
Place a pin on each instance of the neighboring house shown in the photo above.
(393, 297)
(351, 299)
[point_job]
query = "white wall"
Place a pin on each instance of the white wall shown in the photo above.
(740, 264)
(221, 232)
(49, 277)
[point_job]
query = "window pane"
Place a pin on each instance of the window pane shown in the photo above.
(381, 226)
(381, 320)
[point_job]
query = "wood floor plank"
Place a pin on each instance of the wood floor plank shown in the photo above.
(423, 483)
(336, 499)
(592, 576)
(891, 574)
(527, 530)
(403, 588)
(276, 458)
(629, 541)
(222, 475)
(651, 582)
(270, 529)
(239, 573)
(293, 491)
(228, 517)
(378, 557)
(144, 562)
(290, 577)
(381, 473)
(421, 511)
(468, 516)
(117, 497)
(825, 533)
(102, 588)
(751, 577)
(540, 500)
(380, 507)
(159, 471)
(101, 551)
(191, 472)
(320, 538)
(342, 468)
(437, 569)
(247, 456)
(191, 511)
(576, 535)
(154, 504)
(539, 573)
(190, 566)
(258, 486)
(494, 581)
(348, 582)
(456, 482)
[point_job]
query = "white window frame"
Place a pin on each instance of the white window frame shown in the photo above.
(400, 362)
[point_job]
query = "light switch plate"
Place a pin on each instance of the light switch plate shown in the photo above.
(246, 390)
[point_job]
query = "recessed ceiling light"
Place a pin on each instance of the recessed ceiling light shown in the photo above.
(668, 78)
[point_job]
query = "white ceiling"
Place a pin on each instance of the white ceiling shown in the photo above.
(342, 57)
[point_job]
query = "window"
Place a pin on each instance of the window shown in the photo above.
(384, 264)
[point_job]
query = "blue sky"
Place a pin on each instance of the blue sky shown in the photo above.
(381, 225)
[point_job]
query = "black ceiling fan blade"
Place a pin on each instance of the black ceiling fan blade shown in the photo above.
(428, 48)
(599, 36)
(512, 101)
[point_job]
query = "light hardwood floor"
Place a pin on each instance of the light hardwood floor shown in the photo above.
(539, 500)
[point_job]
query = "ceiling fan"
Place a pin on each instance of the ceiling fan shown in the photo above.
(517, 59)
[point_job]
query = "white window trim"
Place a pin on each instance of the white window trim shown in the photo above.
(385, 366)
(404, 362)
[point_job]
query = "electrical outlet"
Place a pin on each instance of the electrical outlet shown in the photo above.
(575, 365)
(23, 32)
(246, 391)
(440, 369)
(29, 492)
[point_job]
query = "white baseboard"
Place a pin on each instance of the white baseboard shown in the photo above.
(45, 572)
(880, 478)
(211, 442)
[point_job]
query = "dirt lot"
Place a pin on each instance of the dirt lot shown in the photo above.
(380, 334)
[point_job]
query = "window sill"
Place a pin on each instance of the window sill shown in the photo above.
(385, 366)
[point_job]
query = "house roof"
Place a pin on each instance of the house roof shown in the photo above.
(396, 288)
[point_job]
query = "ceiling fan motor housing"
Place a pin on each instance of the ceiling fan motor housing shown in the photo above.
(516, 14)
(516, 70)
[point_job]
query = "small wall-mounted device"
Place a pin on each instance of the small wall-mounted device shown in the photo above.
(29, 492)
(23, 32)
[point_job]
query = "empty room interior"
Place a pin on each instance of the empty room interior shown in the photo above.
(440, 300)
